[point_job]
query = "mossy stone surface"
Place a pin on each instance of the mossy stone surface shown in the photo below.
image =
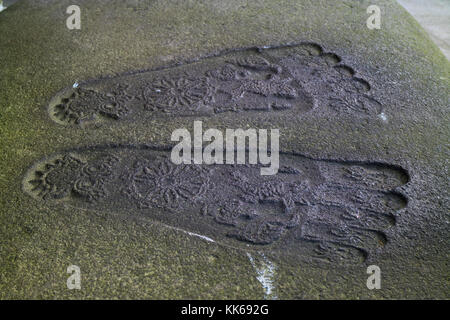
(138, 258)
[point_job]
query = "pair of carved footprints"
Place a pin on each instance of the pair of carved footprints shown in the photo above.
(290, 80)
(328, 210)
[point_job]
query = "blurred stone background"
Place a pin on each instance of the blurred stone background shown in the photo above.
(434, 16)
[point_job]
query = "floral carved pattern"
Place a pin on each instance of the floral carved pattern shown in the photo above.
(166, 185)
(181, 94)
(84, 104)
(69, 175)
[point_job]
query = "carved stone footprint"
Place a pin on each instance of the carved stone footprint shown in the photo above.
(290, 81)
(317, 209)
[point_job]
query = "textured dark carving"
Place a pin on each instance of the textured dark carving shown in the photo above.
(164, 184)
(291, 80)
(182, 94)
(85, 104)
(69, 175)
(321, 209)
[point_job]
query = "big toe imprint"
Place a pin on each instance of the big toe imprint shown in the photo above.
(317, 209)
(289, 81)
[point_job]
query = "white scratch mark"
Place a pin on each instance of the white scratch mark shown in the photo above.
(191, 233)
(198, 235)
(265, 274)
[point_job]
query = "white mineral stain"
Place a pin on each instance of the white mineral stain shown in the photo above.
(383, 117)
(265, 274)
(191, 233)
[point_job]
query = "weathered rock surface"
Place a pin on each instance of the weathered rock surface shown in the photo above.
(86, 178)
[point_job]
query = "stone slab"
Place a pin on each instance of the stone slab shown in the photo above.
(363, 120)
